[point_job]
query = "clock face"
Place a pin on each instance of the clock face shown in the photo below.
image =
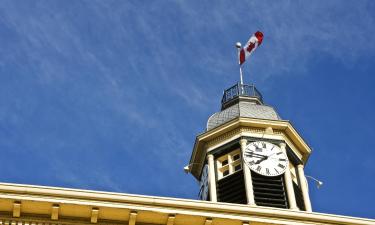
(203, 193)
(265, 158)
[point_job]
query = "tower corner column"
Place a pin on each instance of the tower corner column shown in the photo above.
(289, 183)
(304, 188)
(247, 177)
(212, 178)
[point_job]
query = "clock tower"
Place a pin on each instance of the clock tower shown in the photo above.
(249, 155)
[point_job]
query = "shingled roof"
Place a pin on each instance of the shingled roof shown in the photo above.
(242, 109)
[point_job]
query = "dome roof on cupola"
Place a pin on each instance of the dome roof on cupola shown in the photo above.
(241, 101)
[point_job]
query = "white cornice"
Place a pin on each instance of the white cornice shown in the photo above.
(72, 200)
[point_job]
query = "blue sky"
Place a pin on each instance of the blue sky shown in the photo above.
(109, 95)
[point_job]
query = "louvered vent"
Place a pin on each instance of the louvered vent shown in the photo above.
(299, 197)
(232, 189)
(269, 191)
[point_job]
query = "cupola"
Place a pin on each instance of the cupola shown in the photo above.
(249, 155)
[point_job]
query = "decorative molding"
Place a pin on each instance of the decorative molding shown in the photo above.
(269, 130)
(170, 220)
(94, 215)
(30, 221)
(223, 137)
(156, 208)
(55, 212)
(252, 130)
(132, 218)
(240, 131)
(208, 221)
(16, 209)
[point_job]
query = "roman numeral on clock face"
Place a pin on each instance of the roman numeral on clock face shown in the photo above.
(258, 168)
(282, 160)
(267, 171)
(281, 166)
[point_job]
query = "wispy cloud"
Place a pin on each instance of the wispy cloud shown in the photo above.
(122, 84)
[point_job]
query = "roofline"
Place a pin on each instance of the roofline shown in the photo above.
(72, 198)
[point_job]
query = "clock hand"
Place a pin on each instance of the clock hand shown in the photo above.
(255, 154)
(261, 160)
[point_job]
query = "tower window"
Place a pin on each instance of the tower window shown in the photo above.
(237, 167)
(229, 164)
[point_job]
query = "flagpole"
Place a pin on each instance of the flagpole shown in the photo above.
(241, 79)
(238, 46)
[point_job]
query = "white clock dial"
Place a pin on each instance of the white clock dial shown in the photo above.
(203, 192)
(265, 158)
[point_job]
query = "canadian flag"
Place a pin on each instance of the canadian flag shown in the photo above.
(250, 46)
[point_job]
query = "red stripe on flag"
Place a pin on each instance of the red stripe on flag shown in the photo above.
(259, 36)
(242, 56)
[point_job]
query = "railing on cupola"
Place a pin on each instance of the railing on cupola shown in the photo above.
(239, 90)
